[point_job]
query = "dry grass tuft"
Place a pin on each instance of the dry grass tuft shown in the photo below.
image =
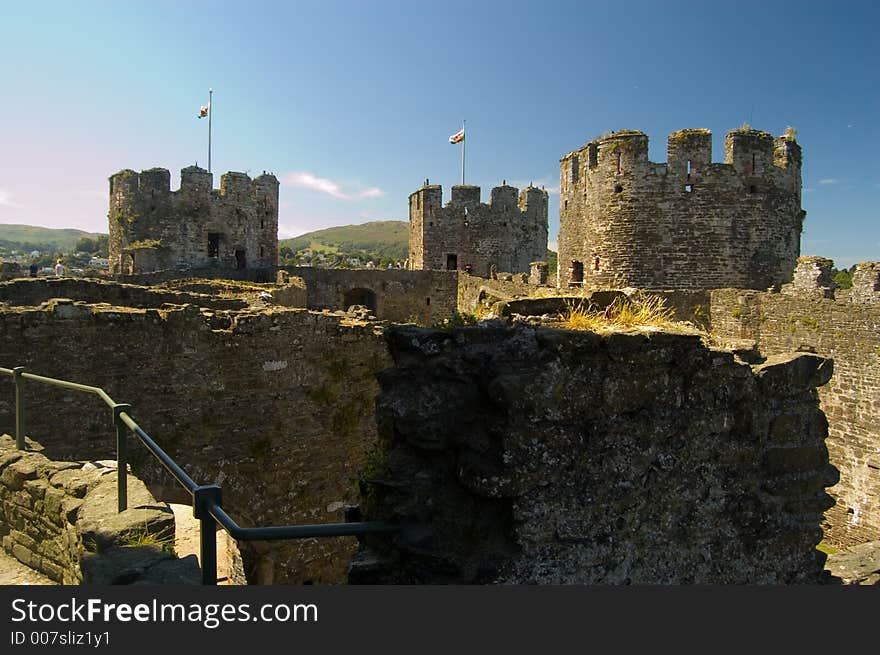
(646, 312)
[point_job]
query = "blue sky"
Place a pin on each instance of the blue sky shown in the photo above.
(351, 104)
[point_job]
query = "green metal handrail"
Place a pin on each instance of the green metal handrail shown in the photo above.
(207, 499)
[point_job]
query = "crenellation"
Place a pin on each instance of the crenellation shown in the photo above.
(196, 181)
(866, 283)
(749, 151)
(787, 152)
(689, 153)
(124, 182)
(466, 195)
(504, 196)
(812, 275)
(235, 186)
(154, 182)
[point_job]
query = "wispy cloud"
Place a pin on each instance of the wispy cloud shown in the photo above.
(6, 200)
(829, 180)
(306, 180)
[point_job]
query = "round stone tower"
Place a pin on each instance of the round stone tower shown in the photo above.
(685, 224)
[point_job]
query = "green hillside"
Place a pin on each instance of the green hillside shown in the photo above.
(30, 237)
(377, 239)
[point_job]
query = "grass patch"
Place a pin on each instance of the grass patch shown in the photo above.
(456, 320)
(825, 548)
(164, 540)
(649, 311)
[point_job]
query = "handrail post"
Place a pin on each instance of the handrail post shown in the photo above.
(121, 456)
(19, 406)
(203, 498)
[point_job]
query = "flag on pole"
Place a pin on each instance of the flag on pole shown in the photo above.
(457, 137)
(204, 110)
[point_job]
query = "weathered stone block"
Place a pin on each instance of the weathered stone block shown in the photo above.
(15, 475)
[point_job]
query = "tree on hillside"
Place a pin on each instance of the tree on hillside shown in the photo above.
(842, 278)
(99, 246)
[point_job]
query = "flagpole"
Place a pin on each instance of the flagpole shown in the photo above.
(463, 142)
(210, 114)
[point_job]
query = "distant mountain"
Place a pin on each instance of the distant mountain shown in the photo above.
(30, 237)
(376, 239)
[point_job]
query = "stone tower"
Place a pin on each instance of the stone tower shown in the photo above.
(505, 234)
(685, 224)
(153, 228)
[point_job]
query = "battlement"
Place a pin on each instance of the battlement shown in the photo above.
(196, 181)
(469, 196)
(235, 185)
(866, 282)
(155, 182)
(688, 152)
(812, 275)
(747, 151)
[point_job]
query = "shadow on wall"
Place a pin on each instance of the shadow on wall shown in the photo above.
(536, 456)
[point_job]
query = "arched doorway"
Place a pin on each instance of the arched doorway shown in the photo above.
(360, 296)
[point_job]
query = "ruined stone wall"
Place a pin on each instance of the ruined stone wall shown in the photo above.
(846, 327)
(258, 275)
(35, 291)
(276, 406)
(476, 294)
(520, 455)
(505, 234)
(60, 518)
(153, 228)
(625, 457)
(685, 224)
(393, 295)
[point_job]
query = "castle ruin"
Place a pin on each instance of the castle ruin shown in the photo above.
(506, 234)
(153, 228)
(685, 224)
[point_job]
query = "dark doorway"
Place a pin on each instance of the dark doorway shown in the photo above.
(576, 273)
(213, 244)
(240, 261)
(451, 262)
(360, 296)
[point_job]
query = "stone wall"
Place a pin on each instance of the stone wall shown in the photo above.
(685, 224)
(28, 291)
(60, 518)
(153, 228)
(846, 327)
(476, 294)
(393, 295)
(520, 455)
(258, 275)
(275, 406)
(505, 234)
